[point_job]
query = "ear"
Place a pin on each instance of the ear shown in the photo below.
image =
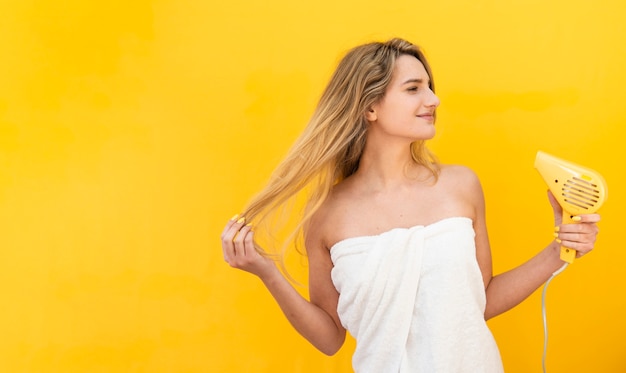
(370, 115)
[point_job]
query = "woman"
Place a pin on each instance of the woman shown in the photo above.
(397, 244)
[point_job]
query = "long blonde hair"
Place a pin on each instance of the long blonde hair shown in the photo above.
(330, 148)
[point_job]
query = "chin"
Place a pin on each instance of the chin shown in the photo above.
(427, 135)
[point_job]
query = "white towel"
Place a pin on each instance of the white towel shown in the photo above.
(414, 300)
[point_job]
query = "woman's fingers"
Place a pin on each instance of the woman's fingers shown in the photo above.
(238, 246)
(242, 240)
(229, 235)
(589, 218)
(580, 236)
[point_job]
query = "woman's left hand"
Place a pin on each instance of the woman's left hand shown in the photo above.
(580, 236)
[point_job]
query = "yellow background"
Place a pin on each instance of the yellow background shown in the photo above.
(130, 131)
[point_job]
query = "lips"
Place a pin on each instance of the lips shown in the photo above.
(427, 116)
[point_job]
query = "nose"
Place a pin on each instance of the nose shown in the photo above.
(433, 100)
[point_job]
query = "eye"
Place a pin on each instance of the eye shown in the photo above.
(412, 89)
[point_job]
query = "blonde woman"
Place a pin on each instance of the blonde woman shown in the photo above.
(397, 245)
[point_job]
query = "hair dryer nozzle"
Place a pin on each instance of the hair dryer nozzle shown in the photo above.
(578, 190)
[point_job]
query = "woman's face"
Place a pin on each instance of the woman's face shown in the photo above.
(408, 107)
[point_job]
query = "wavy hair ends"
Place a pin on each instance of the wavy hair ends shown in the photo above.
(330, 147)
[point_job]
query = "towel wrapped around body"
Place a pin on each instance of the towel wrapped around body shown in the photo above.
(414, 300)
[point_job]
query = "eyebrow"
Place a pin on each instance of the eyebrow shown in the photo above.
(418, 81)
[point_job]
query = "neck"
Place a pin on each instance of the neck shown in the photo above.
(388, 166)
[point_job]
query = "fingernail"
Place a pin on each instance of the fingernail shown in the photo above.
(241, 220)
(577, 218)
(556, 234)
(249, 225)
(234, 217)
(556, 229)
(558, 241)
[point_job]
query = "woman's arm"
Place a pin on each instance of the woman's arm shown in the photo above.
(510, 288)
(316, 320)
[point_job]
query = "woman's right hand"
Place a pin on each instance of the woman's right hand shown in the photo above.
(239, 249)
(318, 323)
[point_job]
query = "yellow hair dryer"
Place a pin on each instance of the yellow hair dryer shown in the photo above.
(578, 190)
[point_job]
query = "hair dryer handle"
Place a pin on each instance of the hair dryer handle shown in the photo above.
(567, 255)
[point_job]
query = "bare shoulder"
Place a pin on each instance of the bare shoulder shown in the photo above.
(460, 176)
(315, 228)
(464, 183)
(458, 172)
(326, 223)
